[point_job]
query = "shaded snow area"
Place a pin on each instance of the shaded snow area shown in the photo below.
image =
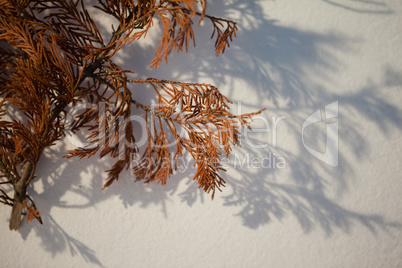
(316, 184)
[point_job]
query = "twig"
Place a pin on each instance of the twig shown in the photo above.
(9, 175)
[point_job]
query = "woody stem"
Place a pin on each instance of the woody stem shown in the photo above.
(20, 188)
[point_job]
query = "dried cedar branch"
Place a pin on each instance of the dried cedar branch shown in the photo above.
(53, 58)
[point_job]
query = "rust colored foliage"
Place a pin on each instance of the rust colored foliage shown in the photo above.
(53, 58)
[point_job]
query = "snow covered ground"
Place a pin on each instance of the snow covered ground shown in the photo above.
(306, 189)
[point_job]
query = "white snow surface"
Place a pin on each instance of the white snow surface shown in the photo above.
(281, 207)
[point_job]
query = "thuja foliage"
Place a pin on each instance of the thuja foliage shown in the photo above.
(53, 57)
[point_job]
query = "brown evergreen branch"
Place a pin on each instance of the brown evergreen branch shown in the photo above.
(58, 58)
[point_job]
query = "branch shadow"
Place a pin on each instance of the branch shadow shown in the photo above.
(273, 62)
(57, 177)
(361, 6)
